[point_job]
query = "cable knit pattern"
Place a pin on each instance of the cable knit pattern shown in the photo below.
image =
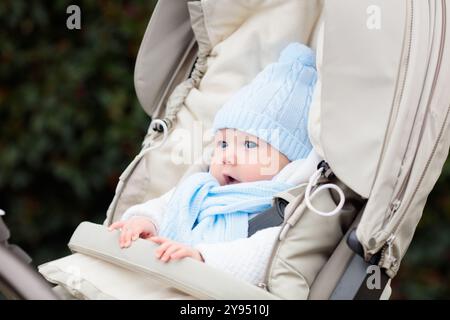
(275, 105)
(246, 259)
(203, 211)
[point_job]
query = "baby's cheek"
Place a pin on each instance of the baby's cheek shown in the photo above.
(215, 171)
(252, 172)
(274, 163)
(268, 169)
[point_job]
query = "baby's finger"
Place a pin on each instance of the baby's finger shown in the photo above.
(162, 248)
(134, 235)
(122, 236)
(179, 254)
(136, 231)
(116, 225)
(128, 235)
(170, 250)
(159, 240)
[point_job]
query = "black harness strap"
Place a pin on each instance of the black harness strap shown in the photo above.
(354, 283)
(272, 217)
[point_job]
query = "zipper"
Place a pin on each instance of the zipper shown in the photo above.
(393, 208)
(395, 204)
(402, 84)
(416, 188)
(389, 256)
(399, 197)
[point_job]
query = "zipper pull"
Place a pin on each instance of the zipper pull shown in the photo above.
(394, 207)
(262, 285)
(390, 258)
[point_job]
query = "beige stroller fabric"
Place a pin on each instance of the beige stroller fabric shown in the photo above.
(78, 276)
(395, 89)
(382, 98)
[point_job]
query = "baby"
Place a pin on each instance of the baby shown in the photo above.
(259, 132)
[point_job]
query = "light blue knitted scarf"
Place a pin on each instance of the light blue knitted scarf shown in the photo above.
(202, 211)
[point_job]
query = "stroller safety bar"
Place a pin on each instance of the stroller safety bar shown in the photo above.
(188, 275)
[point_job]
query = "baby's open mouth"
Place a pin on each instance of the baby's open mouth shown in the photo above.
(230, 179)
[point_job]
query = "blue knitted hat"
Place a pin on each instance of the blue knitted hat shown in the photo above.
(275, 105)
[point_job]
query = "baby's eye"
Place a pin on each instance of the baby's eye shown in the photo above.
(250, 144)
(222, 144)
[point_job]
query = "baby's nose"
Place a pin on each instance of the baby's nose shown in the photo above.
(229, 157)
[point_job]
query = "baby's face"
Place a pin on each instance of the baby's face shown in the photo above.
(242, 157)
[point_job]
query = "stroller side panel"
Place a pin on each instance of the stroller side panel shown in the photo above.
(419, 142)
(306, 242)
(359, 73)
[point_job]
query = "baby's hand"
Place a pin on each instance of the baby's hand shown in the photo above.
(171, 250)
(132, 229)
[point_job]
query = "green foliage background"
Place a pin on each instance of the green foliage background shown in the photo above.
(71, 122)
(70, 119)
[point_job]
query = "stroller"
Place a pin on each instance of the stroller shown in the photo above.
(378, 119)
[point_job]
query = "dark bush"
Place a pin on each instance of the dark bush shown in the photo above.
(70, 118)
